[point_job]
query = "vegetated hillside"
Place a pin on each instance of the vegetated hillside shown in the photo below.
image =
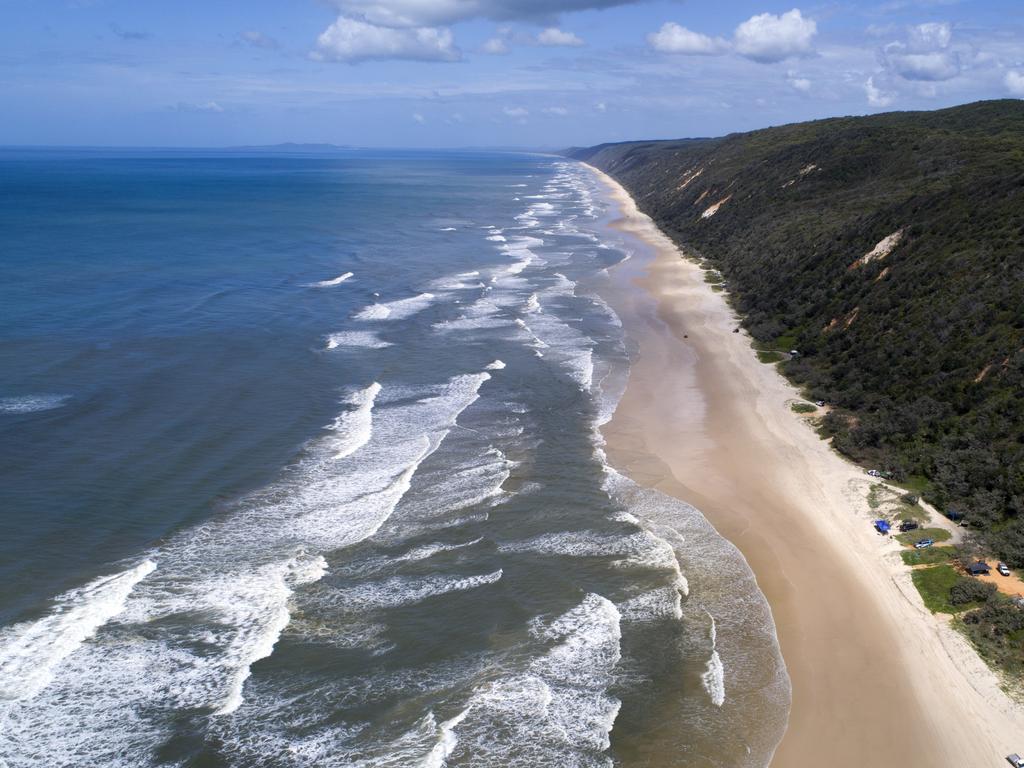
(888, 250)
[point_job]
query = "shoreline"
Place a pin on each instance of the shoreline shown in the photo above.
(875, 676)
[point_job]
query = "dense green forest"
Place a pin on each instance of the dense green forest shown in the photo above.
(888, 250)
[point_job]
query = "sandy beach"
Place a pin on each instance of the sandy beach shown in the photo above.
(877, 679)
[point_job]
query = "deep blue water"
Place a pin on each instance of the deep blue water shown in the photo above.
(300, 466)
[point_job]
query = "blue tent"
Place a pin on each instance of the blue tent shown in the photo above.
(882, 526)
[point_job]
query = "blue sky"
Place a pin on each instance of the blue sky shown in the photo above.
(444, 73)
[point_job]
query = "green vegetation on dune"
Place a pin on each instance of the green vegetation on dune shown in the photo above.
(929, 556)
(934, 584)
(917, 344)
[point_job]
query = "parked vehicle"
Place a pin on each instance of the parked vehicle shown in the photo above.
(1015, 760)
(909, 525)
(874, 473)
(1003, 569)
(923, 543)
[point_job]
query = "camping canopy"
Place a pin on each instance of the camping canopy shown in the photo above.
(882, 526)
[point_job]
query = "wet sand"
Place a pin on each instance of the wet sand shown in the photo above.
(877, 680)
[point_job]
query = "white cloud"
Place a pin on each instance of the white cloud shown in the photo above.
(428, 13)
(926, 55)
(930, 36)
(556, 111)
(769, 38)
(601, 106)
(353, 40)
(1014, 82)
(495, 46)
(554, 36)
(798, 83)
(673, 38)
(876, 96)
(932, 67)
(515, 112)
(417, 117)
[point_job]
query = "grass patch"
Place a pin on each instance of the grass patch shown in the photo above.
(769, 356)
(930, 556)
(911, 537)
(786, 341)
(934, 584)
(918, 484)
(804, 407)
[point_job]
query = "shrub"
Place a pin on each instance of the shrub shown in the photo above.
(968, 590)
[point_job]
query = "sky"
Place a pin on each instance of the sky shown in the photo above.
(483, 73)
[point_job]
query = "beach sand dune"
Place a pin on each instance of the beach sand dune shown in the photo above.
(877, 680)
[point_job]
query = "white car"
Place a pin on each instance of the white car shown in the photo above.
(1003, 569)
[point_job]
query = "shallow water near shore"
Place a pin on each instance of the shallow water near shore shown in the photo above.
(303, 467)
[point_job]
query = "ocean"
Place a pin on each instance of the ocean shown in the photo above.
(302, 466)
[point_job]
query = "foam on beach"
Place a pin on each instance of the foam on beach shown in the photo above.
(713, 678)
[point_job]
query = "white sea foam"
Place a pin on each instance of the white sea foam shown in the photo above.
(713, 677)
(396, 310)
(333, 281)
(497, 365)
(187, 635)
(446, 742)
(403, 590)
(31, 651)
(258, 625)
(352, 429)
(558, 711)
(461, 483)
(429, 550)
(364, 339)
(32, 403)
